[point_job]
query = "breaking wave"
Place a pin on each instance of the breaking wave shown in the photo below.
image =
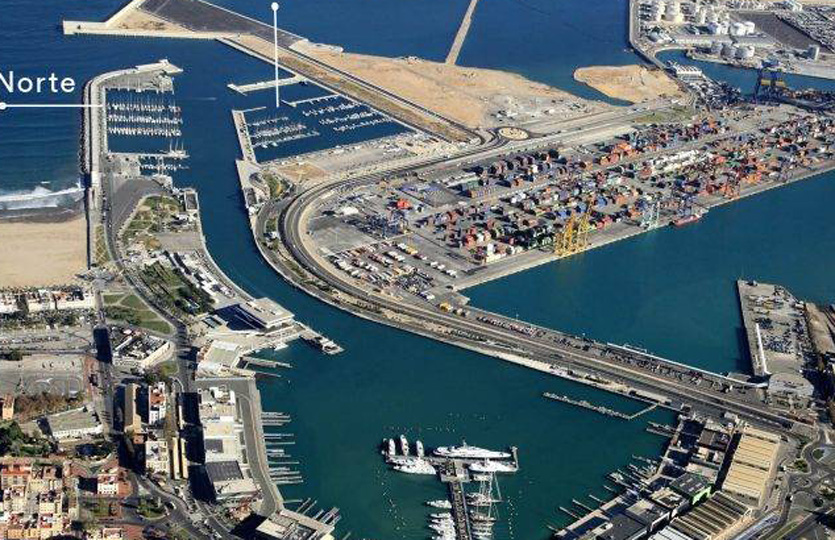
(40, 197)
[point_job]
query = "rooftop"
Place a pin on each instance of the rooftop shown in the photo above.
(690, 484)
(264, 313)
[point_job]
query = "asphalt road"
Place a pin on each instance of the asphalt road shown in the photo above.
(472, 333)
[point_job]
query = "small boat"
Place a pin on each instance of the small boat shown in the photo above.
(688, 219)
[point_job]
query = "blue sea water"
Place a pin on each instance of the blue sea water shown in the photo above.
(744, 79)
(673, 290)
(389, 382)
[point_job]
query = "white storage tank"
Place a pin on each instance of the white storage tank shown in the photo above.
(728, 50)
(750, 28)
(737, 29)
(745, 53)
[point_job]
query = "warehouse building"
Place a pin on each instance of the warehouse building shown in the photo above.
(752, 465)
(714, 518)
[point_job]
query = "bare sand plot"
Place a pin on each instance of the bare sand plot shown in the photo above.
(142, 20)
(40, 254)
(629, 83)
(469, 96)
(301, 172)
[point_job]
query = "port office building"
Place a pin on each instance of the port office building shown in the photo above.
(263, 313)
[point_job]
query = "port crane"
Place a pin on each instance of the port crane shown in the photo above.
(684, 201)
(769, 84)
(573, 237)
(651, 215)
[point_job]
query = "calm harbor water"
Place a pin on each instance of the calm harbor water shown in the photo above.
(673, 290)
(389, 382)
(744, 79)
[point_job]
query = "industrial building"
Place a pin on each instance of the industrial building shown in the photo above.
(752, 465)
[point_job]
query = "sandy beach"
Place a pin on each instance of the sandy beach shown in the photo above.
(40, 254)
(629, 83)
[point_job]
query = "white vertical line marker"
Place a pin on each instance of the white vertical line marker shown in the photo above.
(275, 50)
(4, 106)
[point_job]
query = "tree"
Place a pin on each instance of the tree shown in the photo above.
(14, 355)
(10, 433)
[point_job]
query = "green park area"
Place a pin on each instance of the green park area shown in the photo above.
(15, 443)
(155, 215)
(174, 291)
(130, 309)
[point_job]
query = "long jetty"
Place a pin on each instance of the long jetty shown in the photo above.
(461, 35)
(599, 408)
(265, 85)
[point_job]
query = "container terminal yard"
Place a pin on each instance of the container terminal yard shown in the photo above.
(397, 241)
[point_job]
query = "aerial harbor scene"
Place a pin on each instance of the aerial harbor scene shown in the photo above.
(400, 269)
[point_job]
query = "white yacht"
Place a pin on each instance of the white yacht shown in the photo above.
(481, 499)
(440, 503)
(404, 445)
(492, 467)
(417, 466)
(466, 451)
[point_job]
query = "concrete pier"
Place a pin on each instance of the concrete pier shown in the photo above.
(461, 36)
(242, 131)
(599, 408)
(245, 89)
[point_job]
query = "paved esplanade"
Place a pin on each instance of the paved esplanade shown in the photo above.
(199, 16)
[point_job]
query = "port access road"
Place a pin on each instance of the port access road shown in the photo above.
(534, 352)
(634, 368)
